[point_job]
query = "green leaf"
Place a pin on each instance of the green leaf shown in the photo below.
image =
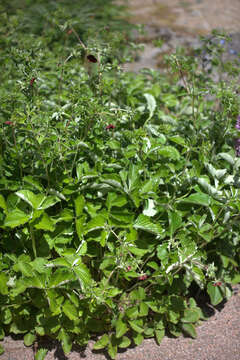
(159, 335)
(48, 202)
(16, 218)
(175, 221)
(29, 339)
(112, 350)
(44, 223)
(215, 294)
(65, 341)
(138, 338)
(190, 316)
(32, 199)
(135, 326)
(151, 105)
(143, 309)
(69, 310)
(144, 223)
(114, 199)
(211, 190)
(3, 284)
(2, 334)
(98, 222)
(169, 152)
(60, 277)
(125, 342)
(79, 222)
(198, 199)
(216, 173)
(3, 204)
(121, 328)
(236, 279)
(178, 140)
(30, 180)
(6, 316)
(41, 353)
(79, 203)
(83, 274)
(132, 312)
(226, 157)
(149, 209)
(1, 349)
(190, 330)
(101, 343)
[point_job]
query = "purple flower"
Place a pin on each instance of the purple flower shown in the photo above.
(222, 42)
(237, 147)
(237, 126)
(232, 52)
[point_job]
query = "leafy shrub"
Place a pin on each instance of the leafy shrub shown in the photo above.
(119, 192)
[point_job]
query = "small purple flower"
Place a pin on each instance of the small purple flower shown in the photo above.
(222, 42)
(237, 126)
(232, 52)
(237, 147)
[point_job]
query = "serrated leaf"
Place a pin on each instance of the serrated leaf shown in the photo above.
(169, 152)
(150, 209)
(159, 335)
(175, 221)
(79, 203)
(44, 223)
(135, 326)
(215, 294)
(29, 339)
(125, 342)
(216, 173)
(3, 204)
(3, 284)
(178, 140)
(41, 354)
(48, 202)
(236, 279)
(112, 350)
(117, 200)
(138, 339)
(198, 199)
(121, 328)
(143, 309)
(98, 222)
(70, 310)
(190, 316)
(2, 334)
(190, 330)
(83, 274)
(144, 223)
(30, 180)
(226, 157)
(151, 105)
(208, 188)
(60, 277)
(66, 341)
(16, 218)
(101, 343)
(132, 312)
(32, 199)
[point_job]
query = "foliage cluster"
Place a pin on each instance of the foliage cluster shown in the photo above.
(119, 193)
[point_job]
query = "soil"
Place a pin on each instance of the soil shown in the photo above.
(217, 339)
(180, 23)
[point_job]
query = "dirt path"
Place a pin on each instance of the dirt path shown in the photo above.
(179, 23)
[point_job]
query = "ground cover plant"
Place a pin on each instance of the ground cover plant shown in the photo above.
(119, 193)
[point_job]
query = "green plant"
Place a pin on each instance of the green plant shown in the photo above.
(118, 192)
